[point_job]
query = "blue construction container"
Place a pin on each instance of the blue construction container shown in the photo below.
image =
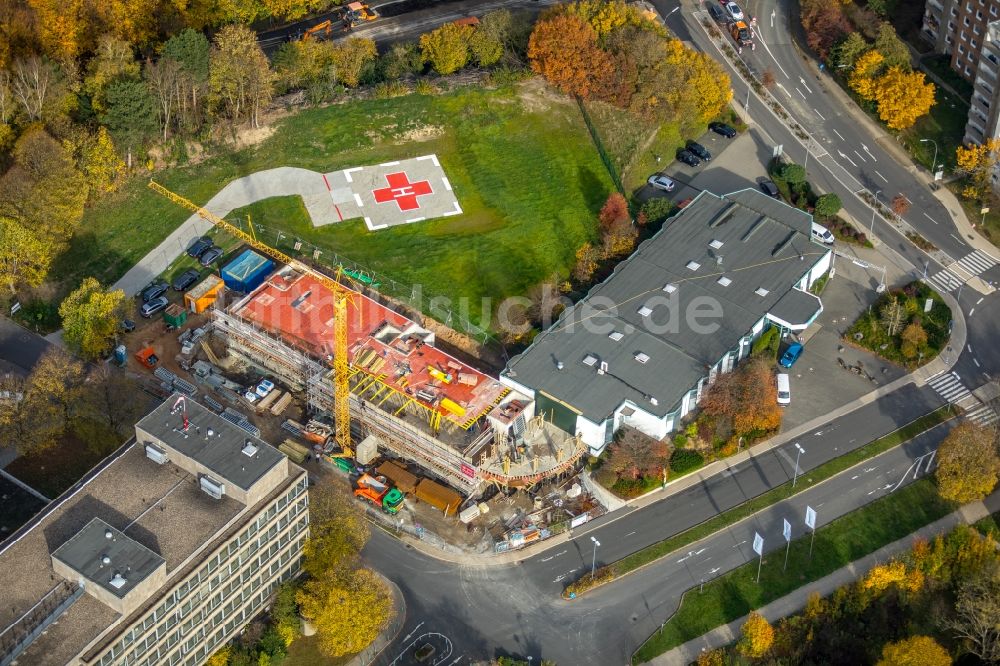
(246, 272)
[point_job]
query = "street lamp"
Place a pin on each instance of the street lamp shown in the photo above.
(874, 206)
(934, 165)
(795, 474)
(593, 563)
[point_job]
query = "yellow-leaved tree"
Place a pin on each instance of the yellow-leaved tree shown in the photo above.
(25, 256)
(446, 48)
(976, 163)
(903, 97)
(349, 609)
(881, 576)
(100, 162)
(90, 317)
(603, 15)
(968, 465)
(862, 79)
(756, 637)
(351, 57)
(914, 651)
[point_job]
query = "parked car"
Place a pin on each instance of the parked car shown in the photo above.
(716, 12)
(822, 234)
(198, 246)
(723, 129)
(250, 396)
(661, 182)
(688, 158)
(784, 389)
(210, 255)
(127, 325)
(791, 355)
(734, 11)
(152, 307)
(154, 289)
(265, 387)
(770, 189)
(185, 279)
(699, 150)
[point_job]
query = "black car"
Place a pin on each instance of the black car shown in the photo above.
(688, 158)
(769, 188)
(127, 325)
(210, 255)
(198, 247)
(155, 289)
(699, 150)
(723, 129)
(716, 11)
(185, 279)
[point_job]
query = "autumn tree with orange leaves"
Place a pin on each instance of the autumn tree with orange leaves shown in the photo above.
(748, 397)
(564, 50)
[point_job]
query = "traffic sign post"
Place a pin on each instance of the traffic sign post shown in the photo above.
(758, 547)
(811, 524)
(786, 531)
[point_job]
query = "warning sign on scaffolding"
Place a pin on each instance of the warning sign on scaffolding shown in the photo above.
(469, 471)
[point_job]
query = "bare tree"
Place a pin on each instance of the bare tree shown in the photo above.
(893, 315)
(164, 80)
(37, 85)
(977, 614)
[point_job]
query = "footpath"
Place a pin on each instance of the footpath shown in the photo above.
(796, 601)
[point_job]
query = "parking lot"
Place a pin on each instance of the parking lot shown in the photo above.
(830, 372)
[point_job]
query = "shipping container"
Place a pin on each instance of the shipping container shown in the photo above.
(246, 272)
(202, 295)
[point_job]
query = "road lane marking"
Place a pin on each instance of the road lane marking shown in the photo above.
(839, 134)
(818, 113)
(976, 361)
(971, 311)
(800, 92)
(853, 163)
(969, 347)
(881, 176)
(859, 156)
(865, 148)
(930, 218)
(803, 82)
(956, 238)
(630, 534)
(980, 300)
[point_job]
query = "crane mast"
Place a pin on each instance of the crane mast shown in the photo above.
(341, 296)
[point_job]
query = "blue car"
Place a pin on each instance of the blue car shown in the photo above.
(791, 355)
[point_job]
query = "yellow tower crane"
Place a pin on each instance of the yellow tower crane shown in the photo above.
(341, 296)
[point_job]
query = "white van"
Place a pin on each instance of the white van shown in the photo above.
(784, 389)
(822, 234)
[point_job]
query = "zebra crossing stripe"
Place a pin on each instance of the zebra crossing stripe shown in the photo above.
(977, 262)
(945, 281)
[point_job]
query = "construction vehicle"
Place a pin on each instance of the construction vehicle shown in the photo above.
(357, 13)
(320, 31)
(742, 35)
(147, 357)
(380, 492)
(341, 297)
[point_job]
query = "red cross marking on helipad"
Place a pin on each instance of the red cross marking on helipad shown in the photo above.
(402, 191)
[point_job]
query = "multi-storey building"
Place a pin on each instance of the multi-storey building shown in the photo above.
(158, 556)
(968, 32)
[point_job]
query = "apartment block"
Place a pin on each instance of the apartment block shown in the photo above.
(161, 554)
(958, 28)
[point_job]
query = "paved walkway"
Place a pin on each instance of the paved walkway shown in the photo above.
(796, 601)
(283, 181)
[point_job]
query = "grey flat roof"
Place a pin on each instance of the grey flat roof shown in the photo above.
(797, 307)
(222, 452)
(743, 250)
(108, 557)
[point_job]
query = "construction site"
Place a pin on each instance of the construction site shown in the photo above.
(372, 386)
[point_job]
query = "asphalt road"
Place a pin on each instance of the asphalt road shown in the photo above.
(486, 612)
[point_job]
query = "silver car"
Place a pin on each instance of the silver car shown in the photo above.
(661, 182)
(152, 307)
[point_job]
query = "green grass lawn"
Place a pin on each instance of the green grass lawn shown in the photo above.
(523, 167)
(838, 543)
(945, 124)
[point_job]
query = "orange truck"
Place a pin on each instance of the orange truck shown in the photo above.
(380, 492)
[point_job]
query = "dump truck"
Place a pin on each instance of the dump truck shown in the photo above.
(378, 491)
(742, 34)
(357, 13)
(445, 499)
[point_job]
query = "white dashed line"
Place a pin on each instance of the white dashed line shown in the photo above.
(839, 134)
(930, 218)
(881, 176)
(818, 113)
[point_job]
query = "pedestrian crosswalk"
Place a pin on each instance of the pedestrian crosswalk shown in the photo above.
(951, 388)
(963, 270)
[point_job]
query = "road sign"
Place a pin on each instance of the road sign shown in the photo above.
(928, 304)
(758, 544)
(778, 150)
(938, 175)
(786, 530)
(810, 517)
(984, 210)
(14, 308)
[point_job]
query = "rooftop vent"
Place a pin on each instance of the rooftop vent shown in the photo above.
(715, 244)
(590, 360)
(724, 281)
(105, 560)
(108, 534)
(210, 432)
(642, 358)
(645, 311)
(559, 365)
(249, 449)
(603, 369)
(653, 401)
(211, 487)
(118, 581)
(670, 288)
(760, 291)
(693, 265)
(616, 335)
(156, 454)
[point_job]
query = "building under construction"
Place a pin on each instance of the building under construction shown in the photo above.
(421, 403)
